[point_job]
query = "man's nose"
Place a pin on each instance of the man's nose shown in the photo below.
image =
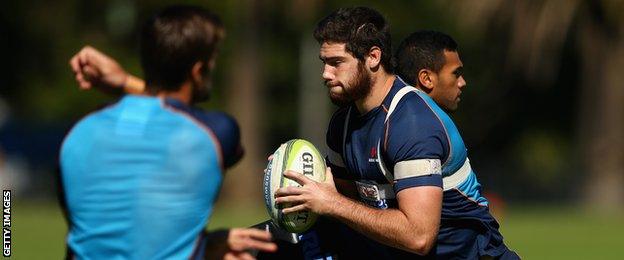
(462, 82)
(327, 75)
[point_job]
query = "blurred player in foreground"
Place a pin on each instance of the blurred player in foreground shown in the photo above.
(140, 176)
(417, 194)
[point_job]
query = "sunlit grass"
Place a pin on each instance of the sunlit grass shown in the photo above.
(563, 233)
(534, 232)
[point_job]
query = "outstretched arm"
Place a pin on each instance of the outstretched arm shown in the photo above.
(93, 68)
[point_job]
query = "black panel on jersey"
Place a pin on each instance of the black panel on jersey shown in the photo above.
(222, 125)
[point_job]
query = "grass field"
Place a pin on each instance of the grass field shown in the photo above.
(534, 232)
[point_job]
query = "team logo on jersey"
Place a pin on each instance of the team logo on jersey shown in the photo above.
(368, 191)
(373, 155)
(369, 194)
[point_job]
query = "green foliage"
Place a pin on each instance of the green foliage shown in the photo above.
(500, 104)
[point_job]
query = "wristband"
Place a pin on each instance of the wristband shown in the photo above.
(133, 85)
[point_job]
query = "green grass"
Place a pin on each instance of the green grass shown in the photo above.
(534, 232)
(563, 233)
(38, 231)
(38, 228)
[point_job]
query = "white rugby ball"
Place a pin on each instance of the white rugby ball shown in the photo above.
(300, 156)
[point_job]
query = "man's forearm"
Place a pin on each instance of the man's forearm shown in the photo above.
(389, 226)
(133, 85)
(413, 226)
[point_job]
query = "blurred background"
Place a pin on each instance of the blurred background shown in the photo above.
(542, 115)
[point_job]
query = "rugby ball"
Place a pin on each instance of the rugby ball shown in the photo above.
(300, 156)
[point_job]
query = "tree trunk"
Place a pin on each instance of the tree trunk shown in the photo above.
(243, 183)
(601, 122)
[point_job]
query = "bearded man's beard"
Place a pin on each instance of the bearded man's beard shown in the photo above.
(201, 92)
(360, 87)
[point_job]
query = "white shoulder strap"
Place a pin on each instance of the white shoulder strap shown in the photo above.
(395, 101)
(344, 133)
(397, 97)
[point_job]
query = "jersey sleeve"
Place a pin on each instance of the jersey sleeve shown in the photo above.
(227, 132)
(335, 132)
(416, 144)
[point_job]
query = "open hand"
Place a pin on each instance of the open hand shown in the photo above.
(242, 240)
(318, 197)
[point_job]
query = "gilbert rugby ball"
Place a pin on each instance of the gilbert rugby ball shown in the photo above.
(300, 156)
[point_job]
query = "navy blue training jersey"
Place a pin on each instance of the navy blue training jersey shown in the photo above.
(409, 141)
(140, 178)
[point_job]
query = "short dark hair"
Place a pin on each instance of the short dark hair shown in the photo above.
(422, 50)
(360, 28)
(175, 39)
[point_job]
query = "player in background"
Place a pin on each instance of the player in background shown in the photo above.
(140, 176)
(418, 195)
(429, 61)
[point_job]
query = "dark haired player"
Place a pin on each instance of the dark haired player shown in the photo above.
(418, 193)
(140, 176)
(429, 60)
(371, 146)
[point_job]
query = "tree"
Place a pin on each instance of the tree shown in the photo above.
(538, 33)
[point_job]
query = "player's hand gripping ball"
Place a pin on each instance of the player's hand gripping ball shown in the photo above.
(300, 156)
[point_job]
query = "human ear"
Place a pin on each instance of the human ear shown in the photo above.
(196, 72)
(427, 79)
(374, 57)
